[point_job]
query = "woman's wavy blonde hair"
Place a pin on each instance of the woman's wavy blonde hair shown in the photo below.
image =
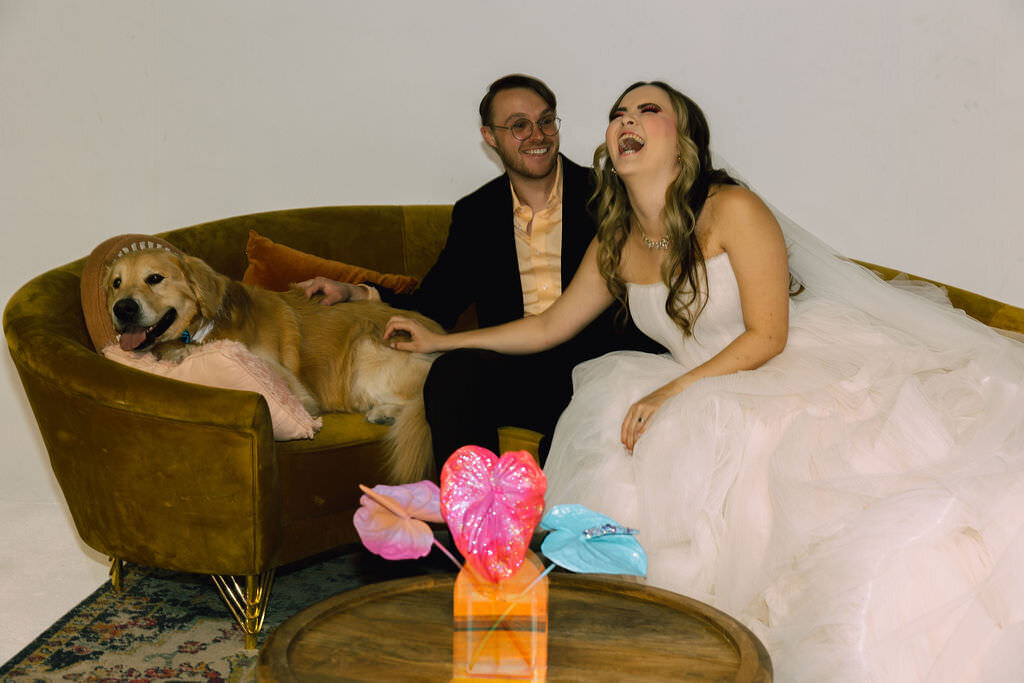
(683, 270)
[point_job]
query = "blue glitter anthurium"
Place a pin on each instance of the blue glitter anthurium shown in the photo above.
(585, 541)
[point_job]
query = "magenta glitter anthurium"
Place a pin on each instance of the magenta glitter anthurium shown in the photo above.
(392, 520)
(492, 506)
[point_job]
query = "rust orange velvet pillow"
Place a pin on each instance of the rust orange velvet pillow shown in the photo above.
(274, 266)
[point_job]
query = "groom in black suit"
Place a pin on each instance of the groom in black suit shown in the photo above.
(513, 246)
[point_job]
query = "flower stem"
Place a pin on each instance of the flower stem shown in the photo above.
(499, 620)
(448, 553)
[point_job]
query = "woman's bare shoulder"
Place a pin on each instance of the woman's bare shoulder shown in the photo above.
(734, 199)
(734, 211)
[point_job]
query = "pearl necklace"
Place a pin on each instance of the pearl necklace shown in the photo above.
(657, 245)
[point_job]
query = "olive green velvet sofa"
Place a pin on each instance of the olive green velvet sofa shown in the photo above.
(162, 473)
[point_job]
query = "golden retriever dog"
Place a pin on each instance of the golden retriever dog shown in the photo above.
(332, 357)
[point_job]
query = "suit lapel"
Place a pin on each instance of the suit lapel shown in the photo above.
(508, 292)
(577, 227)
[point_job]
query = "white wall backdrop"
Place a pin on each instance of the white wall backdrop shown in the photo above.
(891, 128)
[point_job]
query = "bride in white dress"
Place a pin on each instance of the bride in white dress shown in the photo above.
(841, 468)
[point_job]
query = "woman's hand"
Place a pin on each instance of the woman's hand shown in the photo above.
(421, 340)
(640, 413)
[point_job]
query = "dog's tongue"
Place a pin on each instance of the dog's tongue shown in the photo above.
(132, 337)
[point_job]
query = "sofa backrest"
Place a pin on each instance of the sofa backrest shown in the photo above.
(388, 239)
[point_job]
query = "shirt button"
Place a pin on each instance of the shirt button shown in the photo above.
(537, 252)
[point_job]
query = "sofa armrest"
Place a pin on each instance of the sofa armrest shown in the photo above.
(155, 471)
(519, 439)
(996, 314)
(46, 334)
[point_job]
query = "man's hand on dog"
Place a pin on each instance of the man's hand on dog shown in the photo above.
(334, 292)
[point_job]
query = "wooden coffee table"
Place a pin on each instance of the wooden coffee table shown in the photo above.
(599, 629)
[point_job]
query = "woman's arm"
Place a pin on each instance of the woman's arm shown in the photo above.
(743, 227)
(585, 298)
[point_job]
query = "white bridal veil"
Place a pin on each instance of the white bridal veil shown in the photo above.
(827, 274)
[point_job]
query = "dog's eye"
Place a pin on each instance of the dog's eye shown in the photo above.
(116, 284)
(154, 279)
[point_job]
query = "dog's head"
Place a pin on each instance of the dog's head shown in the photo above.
(154, 295)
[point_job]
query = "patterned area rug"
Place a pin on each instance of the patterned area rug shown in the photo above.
(169, 626)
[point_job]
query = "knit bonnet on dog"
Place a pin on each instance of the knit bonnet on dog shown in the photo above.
(94, 298)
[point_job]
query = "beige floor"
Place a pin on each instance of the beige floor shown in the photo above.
(45, 570)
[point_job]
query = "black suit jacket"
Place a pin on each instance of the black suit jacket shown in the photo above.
(479, 265)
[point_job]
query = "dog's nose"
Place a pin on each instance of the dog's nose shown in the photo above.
(126, 310)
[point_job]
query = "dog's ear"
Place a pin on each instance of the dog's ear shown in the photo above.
(207, 285)
(104, 274)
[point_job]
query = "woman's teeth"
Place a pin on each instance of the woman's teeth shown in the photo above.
(630, 142)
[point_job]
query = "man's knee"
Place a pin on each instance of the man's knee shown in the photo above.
(458, 397)
(457, 377)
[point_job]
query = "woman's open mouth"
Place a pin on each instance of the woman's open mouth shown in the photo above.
(630, 143)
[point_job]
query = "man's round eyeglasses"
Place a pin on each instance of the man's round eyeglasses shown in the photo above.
(522, 129)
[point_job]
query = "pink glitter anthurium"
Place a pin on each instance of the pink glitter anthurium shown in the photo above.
(390, 520)
(492, 506)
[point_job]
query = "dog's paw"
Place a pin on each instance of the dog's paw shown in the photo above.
(383, 414)
(311, 405)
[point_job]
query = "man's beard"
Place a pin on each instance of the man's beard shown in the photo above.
(513, 161)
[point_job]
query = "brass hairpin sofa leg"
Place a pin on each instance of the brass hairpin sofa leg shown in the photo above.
(116, 573)
(248, 603)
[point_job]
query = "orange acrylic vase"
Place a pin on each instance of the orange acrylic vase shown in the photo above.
(500, 632)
